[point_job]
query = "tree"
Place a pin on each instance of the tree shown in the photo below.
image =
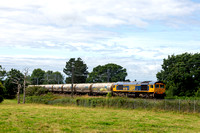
(25, 72)
(181, 73)
(2, 89)
(79, 68)
(58, 77)
(53, 77)
(107, 73)
(13, 82)
(37, 76)
(2, 73)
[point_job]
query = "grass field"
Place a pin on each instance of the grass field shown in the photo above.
(49, 118)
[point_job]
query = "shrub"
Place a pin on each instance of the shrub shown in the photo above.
(197, 94)
(36, 91)
(109, 94)
(1, 99)
(2, 89)
(45, 99)
(118, 102)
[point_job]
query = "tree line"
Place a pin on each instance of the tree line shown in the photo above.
(75, 70)
(180, 73)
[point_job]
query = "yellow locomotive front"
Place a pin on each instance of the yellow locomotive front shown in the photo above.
(158, 88)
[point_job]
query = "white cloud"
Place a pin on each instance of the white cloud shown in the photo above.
(24, 21)
(95, 31)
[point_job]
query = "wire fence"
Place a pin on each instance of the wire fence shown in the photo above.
(170, 105)
(127, 103)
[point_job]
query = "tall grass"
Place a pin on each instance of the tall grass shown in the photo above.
(119, 102)
(41, 118)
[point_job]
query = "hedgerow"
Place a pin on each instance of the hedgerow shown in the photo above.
(119, 102)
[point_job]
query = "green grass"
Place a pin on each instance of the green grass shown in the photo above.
(178, 105)
(51, 118)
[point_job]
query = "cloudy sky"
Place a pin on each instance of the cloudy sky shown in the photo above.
(136, 34)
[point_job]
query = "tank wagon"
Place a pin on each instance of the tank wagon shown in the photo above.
(136, 89)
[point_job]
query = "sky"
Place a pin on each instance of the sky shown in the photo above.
(136, 34)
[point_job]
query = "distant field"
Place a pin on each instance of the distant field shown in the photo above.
(49, 118)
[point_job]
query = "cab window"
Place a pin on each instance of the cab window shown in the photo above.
(120, 87)
(151, 86)
(161, 86)
(157, 86)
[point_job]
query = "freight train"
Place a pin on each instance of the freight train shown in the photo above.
(146, 89)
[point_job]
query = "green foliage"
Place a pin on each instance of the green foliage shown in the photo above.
(184, 105)
(111, 72)
(80, 70)
(37, 76)
(109, 94)
(197, 94)
(181, 73)
(13, 76)
(1, 98)
(53, 77)
(45, 99)
(2, 89)
(46, 118)
(2, 73)
(35, 91)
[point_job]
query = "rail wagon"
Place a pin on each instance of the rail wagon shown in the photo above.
(67, 88)
(57, 88)
(102, 88)
(82, 88)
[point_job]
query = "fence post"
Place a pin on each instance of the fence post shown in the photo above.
(145, 103)
(194, 107)
(179, 105)
(165, 104)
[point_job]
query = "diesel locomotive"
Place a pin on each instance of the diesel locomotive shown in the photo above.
(146, 89)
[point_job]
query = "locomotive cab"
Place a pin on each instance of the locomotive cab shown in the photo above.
(159, 89)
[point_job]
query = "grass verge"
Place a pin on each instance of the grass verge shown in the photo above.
(119, 102)
(49, 118)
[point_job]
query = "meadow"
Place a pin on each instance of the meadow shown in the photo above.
(54, 118)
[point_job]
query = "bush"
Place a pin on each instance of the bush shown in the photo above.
(118, 102)
(45, 99)
(1, 99)
(197, 94)
(2, 89)
(109, 94)
(36, 91)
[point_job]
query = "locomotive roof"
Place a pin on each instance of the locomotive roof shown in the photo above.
(127, 83)
(138, 82)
